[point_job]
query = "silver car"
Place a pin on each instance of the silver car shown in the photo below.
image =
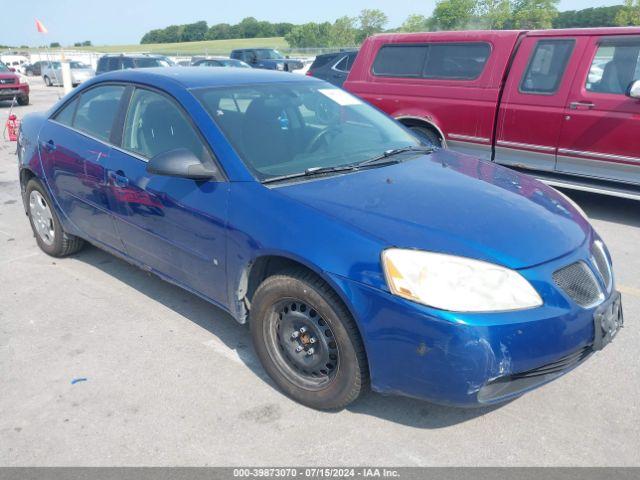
(52, 73)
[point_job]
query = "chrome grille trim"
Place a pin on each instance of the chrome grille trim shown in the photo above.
(602, 264)
(578, 281)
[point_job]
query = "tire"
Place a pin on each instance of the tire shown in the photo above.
(46, 226)
(23, 100)
(335, 372)
(47, 81)
(426, 135)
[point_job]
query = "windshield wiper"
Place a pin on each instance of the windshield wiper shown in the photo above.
(392, 152)
(310, 172)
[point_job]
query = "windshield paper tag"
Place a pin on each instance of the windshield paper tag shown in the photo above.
(340, 96)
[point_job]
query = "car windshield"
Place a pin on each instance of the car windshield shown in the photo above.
(4, 68)
(152, 62)
(288, 128)
(78, 65)
(268, 54)
(234, 63)
(54, 65)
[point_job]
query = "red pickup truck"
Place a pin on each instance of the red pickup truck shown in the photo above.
(562, 103)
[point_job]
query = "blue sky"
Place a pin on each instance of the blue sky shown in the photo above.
(125, 21)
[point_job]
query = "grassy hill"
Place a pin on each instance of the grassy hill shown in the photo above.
(210, 47)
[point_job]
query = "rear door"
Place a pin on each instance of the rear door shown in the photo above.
(74, 148)
(532, 108)
(175, 226)
(600, 134)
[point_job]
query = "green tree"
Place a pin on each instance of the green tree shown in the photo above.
(310, 35)
(54, 45)
(194, 32)
(629, 14)
(343, 32)
(493, 14)
(415, 23)
(248, 28)
(219, 31)
(534, 14)
(453, 14)
(371, 21)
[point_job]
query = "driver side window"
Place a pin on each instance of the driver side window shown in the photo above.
(614, 67)
(155, 125)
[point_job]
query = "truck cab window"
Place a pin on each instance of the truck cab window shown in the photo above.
(614, 67)
(546, 66)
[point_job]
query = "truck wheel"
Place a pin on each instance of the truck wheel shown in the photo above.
(23, 100)
(46, 226)
(426, 135)
(307, 340)
(47, 81)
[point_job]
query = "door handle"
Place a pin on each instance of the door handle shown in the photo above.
(581, 105)
(118, 178)
(49, 146)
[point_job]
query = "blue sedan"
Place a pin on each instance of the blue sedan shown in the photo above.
(359, 256)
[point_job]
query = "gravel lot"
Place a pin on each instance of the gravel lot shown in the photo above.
(171, 380)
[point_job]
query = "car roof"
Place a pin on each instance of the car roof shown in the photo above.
(194, 77)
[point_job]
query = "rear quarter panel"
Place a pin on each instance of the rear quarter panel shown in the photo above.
(464, 110)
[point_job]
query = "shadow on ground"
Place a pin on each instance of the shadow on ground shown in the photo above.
(606, 208)
(406, 411)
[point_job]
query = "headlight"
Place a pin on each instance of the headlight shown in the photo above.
(279, 66)
(574, 204)
(22, 79)
(455, 283)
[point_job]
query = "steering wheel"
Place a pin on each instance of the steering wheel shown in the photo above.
(321, 135)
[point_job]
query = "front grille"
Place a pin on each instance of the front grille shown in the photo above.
(556, 367)
(7, 81)
(578, 281)
(602, 263)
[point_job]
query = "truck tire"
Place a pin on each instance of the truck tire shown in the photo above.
(426, 135)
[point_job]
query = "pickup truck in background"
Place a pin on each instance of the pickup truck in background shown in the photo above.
(266, 58)
(564, 104)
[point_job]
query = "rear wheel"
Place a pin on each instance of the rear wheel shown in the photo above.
(47, 81)
(307, 340)
(426, 135)
(46, 226)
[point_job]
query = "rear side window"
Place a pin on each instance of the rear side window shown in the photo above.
(65, 116)
(156, 125)
(97, 109)
(546, 66)
(449, 61)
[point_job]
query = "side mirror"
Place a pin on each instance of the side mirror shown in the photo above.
(180, 163)
(633, 91)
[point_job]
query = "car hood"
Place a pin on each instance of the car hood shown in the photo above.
(451, 203)
(5, 75)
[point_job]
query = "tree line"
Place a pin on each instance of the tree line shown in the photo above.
(448, 15)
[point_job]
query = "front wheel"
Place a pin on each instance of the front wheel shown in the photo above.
(47, 81)
(23, 100)
(46, 226)
(307, 340)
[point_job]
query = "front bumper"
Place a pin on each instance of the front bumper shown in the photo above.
(14, 90)
(472, 359)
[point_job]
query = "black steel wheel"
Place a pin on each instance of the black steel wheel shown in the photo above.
(307, 340)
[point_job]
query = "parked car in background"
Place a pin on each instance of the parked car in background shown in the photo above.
(266, 58)
(52, 73)
(220, 62)
(359, 255)
(564, 104)
(111, 62)
(333, 67)
(15, 62)
(13, 85)
(35, 68)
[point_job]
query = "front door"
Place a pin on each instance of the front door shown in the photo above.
(175, 226)
(602, 125)
(74, 146)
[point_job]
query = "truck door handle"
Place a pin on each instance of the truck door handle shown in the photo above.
(581, 105)
(118, 178)
(49, 146)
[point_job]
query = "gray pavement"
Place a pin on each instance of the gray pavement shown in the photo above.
(171, 380)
